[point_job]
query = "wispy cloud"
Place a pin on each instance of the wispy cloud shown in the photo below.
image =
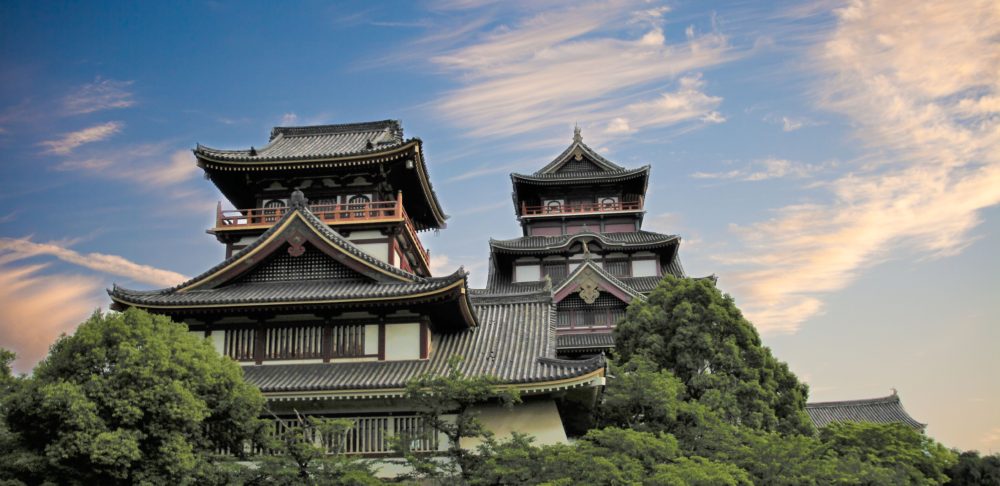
(991, 441)
(607, 66)
(790, 123)
(102, 94)
(35, 308)
(919, 81)
(154, 164)
(20, 248)
(760, 170)
(65, 144)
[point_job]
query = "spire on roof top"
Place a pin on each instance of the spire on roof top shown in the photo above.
(577, 137)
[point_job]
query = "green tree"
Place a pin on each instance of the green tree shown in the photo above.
(899, 454)
(306, 450)
(971, 469)
(687, 326)
(129, 398)
(641, 397)
(609, 456)
(446, 402)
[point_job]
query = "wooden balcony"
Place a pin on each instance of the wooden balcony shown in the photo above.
(331, 214)
(577, 209)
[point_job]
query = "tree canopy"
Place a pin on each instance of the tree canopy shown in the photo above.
(129, 398)
(690, 328)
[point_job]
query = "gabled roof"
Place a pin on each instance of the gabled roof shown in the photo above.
(580, 163)
(882, 410)
(368, 278)
(316, 142)
(576, 151)
(590, 272)
(634, 240)
(514, 342)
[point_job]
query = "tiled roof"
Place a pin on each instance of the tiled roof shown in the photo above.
(293, 143)
(591, 154)
(514, 342)
(876, 410)
(646, 284)
(631, 240)
(589, 265)
(585, 341)
(208, 289)
(591, 175)
(285, 292)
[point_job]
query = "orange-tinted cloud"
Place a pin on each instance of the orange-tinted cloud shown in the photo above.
(919, 80)
(35, 309)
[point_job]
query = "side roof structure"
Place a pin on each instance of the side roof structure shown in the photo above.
(514, 342)
(635, 240)
(315, 142)
(325, 147)
(881, 410)
(369, 279)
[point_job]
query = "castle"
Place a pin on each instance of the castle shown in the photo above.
(326, 295)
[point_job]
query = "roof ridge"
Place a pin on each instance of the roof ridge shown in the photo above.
(894, 398)
(337, 128)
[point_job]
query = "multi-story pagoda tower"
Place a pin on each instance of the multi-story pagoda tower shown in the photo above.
(353, 175)
(581, 219)
(326, 299)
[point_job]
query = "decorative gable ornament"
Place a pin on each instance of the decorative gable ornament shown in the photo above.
(589, 288)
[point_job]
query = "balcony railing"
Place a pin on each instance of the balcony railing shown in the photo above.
(332, 214)
(584, 208)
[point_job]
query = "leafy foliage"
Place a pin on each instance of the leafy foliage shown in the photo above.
(129, 398)
(972, 469)
(446, 403)
(687, 326)
(298, 455)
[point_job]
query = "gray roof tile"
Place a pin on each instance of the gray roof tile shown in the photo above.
(292, 143)
(592, 340)
(514, 342)
(630, 240)
(876, 410)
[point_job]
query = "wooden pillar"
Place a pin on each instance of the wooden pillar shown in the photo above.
(258, 341)
(424, 337)
(381, 339)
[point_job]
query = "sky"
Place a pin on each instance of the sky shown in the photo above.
(836, 164)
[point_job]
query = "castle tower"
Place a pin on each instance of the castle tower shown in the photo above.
(581, 220)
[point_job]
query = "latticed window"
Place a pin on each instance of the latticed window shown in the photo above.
(295, 342)
(618, 268)
(358, 203)
(573, 313)
(272, 210)
(555, 271)
(310, 265)
(368, 435)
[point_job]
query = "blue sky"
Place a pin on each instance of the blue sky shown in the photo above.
(836, 165)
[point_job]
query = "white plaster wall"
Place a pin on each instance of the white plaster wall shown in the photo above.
(402, 341)
(219, 341)
(365, 235)
(371, 339)
(527, 273)
(643, 268)
(377, 250)
(539, 419)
